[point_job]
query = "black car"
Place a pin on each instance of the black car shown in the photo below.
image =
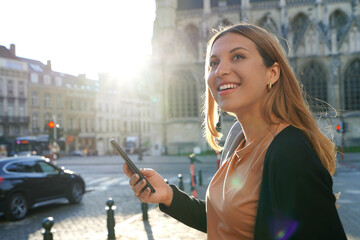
(30, 181)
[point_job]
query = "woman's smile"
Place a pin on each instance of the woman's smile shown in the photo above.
(227, 88)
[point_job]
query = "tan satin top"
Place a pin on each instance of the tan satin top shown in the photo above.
(233, 193)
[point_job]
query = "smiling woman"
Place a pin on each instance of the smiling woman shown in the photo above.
(82, 36)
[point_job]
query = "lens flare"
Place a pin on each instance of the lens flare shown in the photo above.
(237, 182)
(286, 229)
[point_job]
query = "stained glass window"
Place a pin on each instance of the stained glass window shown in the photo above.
(313, 78)
(352, 86)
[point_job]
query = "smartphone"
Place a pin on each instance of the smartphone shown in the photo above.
(130, 163)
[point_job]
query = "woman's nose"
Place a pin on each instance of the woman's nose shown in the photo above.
(221, 70)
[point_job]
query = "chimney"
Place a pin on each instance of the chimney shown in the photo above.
(48, 65)
(12, 49)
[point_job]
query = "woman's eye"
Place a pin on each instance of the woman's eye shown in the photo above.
(214, 63)
(238, 56)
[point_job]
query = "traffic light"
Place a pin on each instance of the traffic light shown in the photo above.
(51, 124)
(60, 132)
(338, 128)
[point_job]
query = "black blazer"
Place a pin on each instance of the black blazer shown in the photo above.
(296, 199)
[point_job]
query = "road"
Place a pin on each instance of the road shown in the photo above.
(104, 179)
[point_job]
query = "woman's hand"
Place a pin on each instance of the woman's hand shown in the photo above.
(163, 192)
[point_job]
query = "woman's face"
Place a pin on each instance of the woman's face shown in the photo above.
(238, 77)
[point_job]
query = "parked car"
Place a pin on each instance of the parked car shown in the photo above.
(76, 153)
(31, 181)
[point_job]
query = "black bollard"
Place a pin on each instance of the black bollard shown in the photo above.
(200, 178)
(144, 209)
(110, 218)
(47, 224)
(181, 183)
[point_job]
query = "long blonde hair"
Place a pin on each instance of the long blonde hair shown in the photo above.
(285, 100)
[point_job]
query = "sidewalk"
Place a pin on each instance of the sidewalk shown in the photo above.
(158, 226)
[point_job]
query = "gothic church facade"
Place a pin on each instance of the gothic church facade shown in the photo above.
(323, 39)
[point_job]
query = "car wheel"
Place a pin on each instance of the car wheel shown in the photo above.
(17, 207)
(76, 193)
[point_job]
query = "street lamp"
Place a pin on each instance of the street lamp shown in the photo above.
(140, 151)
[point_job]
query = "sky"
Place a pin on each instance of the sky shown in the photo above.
(80, 36)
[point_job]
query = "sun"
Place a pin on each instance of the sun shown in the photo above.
(83, 37)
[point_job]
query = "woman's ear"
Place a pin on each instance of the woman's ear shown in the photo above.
(274, 73)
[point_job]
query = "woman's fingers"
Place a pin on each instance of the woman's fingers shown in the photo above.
(144, 194)
(127, 170)
(138, 187)
(133, 179)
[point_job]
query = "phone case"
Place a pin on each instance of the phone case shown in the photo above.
(130, 163)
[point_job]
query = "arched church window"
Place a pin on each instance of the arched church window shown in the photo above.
(192, 39)
(352, 86)
(268, 23)
(298, 25)
(223, 23)
(183, 97)
(313, 78)
(338, 20)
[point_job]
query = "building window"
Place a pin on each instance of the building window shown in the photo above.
(47, 80)
(338, 21)
(34, 78)
(71, 104)
(1, 87)
(352, 86)
(125, 127)
(35, 125)
(10, 87)
(183, 99)
(47, 100)
(92, 125)
(71, 121)
(34, 99)
(47, 118)
(59, 120)
(21, 89)
(87, 125)
(11, 108)
(22, 109)
(58, 81)
(192, 39)
(298, 26)
(59, 101)
(2, 107)
(313, 77)
(268, 23)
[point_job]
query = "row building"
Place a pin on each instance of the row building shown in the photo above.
(88, 113)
